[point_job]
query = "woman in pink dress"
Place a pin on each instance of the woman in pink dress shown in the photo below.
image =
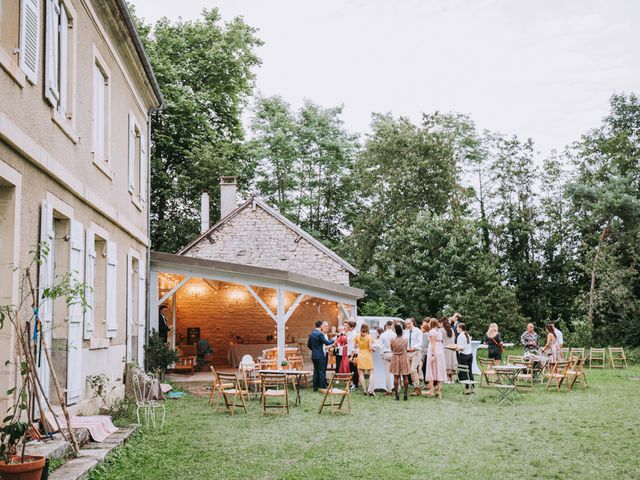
(436, 364)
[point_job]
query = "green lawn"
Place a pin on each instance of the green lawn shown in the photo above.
(584, 434)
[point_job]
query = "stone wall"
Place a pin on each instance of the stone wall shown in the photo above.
(254, 237)
(229, 312)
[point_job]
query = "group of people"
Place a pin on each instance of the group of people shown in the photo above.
(410, 354)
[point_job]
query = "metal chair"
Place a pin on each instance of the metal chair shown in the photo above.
(464, 379)
(142, 388)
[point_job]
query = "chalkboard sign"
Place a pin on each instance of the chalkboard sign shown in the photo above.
(193, 335)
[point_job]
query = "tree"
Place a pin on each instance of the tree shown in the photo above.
(205, 72)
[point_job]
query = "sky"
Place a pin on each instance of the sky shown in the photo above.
(543, 69)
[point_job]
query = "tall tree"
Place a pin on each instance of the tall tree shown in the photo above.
(205, 72)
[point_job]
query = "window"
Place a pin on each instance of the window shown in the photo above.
(20, 39)
(59, 78)
(101, 114)
(137, 161)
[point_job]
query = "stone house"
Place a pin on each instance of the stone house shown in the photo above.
(251, 281)
(76, 94)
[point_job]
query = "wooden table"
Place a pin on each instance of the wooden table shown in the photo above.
(506, 376)
(290, 373)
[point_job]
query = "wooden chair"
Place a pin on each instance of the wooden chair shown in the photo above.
(515, 359)
(249, 376)
(576, 352)
(557, 374)
(268, 364)
(338, 390)
(576, 373)
(217, 387)
(617, 357)
(526, 378)
(486, 371)
(274, 386)
(466, 383)
(296, 362)
(235, 393)
(565, 353)
(187, 359)
(597, 358)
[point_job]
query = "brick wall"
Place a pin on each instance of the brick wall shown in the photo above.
(254, 237)
(230, 311)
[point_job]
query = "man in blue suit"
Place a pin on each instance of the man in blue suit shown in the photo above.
(316, 344)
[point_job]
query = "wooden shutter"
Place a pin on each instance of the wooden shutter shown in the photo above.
(52, 50)
(132, 153)
(30, 38)
(64, 62)
(90, 273)
(75, 384)
(142, 310)
(143, 168)
(112, 290)
(45, 280)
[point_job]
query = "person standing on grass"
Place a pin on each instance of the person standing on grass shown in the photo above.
(465, 353)
(365, 359)
(448, 338)
(353, 353)
(552, 347)
(559, 337)
(425, 327)
(385, 346)
(400, 366)
(316, 343)
(494, 343)
(529, 339)
(436, 368)
(414, 342)
(342, 357)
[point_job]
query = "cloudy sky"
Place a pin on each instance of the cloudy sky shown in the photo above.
(542, 69)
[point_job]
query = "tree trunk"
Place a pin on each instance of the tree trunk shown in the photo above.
(592, 290)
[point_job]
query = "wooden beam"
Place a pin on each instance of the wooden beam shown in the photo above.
(344, 311)
(293, 306)
(261, 302)
(213, 284)
(174, 290)
(280, 336)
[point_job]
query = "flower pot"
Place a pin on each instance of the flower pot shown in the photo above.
(31, 469)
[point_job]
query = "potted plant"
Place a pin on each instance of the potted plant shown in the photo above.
(28, 395)
(284, 364)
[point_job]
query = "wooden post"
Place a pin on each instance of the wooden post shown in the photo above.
(281, 321)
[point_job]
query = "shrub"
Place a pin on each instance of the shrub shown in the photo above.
(157, 355)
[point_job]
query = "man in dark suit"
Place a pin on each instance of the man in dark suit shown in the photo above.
(316, 344)
(163, 326)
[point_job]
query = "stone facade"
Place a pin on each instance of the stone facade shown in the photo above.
(253, 236)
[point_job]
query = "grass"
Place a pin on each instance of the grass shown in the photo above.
(583, 434)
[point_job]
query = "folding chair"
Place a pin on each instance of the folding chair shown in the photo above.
(249, 376)
(216, 387)
(576, 352)
(296, 362)
(236, 392)
(465, 382)
(597, 358)
(526, 378)
(486, 370)
(565, 353)
(557, 374)
(338, 390)
(514, 359)
(274, 385)
(617, 357)
(576, 373)
(268, 364)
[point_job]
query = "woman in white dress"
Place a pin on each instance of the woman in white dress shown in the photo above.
(449, 338)
(436, 367)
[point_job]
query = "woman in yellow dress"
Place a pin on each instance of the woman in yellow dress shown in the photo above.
(364, 343)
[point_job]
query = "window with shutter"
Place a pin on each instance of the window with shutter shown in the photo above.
(45, 280)
(132, 152)
(143, 169)
(75, 384)
(30, 38)
(90, 265)
(142, 302)
(112, 290)
(52, 49)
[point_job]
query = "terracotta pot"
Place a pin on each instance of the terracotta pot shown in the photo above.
(29, 470)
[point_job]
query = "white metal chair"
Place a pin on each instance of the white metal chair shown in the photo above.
(142, 388)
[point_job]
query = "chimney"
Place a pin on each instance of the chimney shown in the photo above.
(204, 212)
(228, 201)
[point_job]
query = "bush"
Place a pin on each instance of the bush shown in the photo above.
(157, 355)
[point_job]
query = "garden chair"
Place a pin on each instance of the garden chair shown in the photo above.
(565, 353)
(576, 373)
(216, 387)
(617, 357)
(274, 386)
(486, 370)
(557, 374)
(515, 359)
(338, 390)
(597, 358)
(296, 362)
(268, 364)
(526, 378)
(232, 394)
(576, 352)
(249, 376)
(141, 387)
(464, 379)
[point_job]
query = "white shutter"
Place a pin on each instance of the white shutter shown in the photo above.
(90, 274)
(45, 280)
(30, 38)
(64, 62)
(112, 289)
(143, 168)
(99, 88)
(75, 384)
(142, 310)
(52, 50)
(129, 306)
(132, 153)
